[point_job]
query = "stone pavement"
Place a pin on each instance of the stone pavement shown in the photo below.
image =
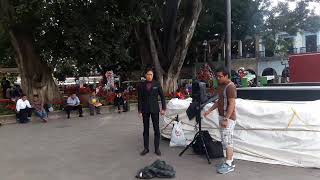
(106, 147)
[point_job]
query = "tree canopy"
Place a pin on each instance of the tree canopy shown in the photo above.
(77, 37)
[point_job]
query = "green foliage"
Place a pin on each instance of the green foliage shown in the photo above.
(78, 36)
(6, 51)
(87, 33)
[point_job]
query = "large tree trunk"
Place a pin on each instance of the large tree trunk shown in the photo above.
(168, 55)
(182, 44)
(36, 77)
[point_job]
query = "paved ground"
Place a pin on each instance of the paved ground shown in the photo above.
(107, 148)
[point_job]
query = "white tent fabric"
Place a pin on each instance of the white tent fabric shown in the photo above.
(286, 133)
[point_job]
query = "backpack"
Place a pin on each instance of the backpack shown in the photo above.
(158, 169)
(214, 148)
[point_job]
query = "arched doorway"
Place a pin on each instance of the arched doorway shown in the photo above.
(286, 72)
(286, 75)
(271, 74)
(253, 82)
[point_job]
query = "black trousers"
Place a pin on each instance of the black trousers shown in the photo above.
(146, 125)
(73, 108)
(23, 115)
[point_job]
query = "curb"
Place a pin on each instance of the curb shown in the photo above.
(11, 119)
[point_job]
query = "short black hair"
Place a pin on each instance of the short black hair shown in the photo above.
(35, 95)
(148, 69)
(23, 95)
(224, 71)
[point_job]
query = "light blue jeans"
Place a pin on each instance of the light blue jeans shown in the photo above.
(41, 114)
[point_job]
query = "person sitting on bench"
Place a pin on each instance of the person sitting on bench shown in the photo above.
(119, 101)
(39, 110)
(73, 103)
(94, 104)
(23, 108)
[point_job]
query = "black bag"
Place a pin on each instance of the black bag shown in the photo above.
(158, 169)
(214, 148)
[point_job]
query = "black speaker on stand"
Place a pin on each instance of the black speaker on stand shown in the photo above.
(199, 100)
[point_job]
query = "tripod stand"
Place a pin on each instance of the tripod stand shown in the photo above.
(198, 134)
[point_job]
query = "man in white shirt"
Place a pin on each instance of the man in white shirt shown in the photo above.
(73, 103)
(23, 108)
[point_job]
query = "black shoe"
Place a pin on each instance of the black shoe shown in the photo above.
(144, 152)
(158, 152)
(80, 115)
(68, 117)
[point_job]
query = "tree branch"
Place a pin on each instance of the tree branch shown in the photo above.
(193, 8)
(170, 26)
(154, 54)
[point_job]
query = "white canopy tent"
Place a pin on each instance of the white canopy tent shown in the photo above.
(286, 133)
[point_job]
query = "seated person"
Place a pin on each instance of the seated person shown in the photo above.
(73, 103)
(118, 101)
(94, 104)
(23, 108)
(38, 107)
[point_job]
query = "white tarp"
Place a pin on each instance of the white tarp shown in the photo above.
(286, 133)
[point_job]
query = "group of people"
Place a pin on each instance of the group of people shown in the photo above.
(148, 106)
(10, 92)
(24, 109)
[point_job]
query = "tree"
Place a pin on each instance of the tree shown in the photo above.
(46, 35)
(19, 19)
(164, 30)
(281, 19)
(6, 53)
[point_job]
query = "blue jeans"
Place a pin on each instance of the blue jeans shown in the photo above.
(41, 114)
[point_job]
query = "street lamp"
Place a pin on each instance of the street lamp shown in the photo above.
(228, 35)
(205, 44)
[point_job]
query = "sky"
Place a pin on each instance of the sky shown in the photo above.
(313, 5)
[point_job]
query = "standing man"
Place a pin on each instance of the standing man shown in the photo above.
(5, 84)
(227, 117)
(148, 105)
(73, 103)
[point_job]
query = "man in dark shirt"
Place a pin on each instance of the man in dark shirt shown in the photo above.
(148, 105)
(5, 84)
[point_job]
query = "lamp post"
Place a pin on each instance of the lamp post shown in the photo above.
(228, 35)
(205, 44)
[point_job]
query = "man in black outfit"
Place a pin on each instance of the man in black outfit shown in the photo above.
(148, 105)
(5, 85)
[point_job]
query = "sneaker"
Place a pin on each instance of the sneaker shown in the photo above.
(222, 164)
(80, 115)
(225, 169)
